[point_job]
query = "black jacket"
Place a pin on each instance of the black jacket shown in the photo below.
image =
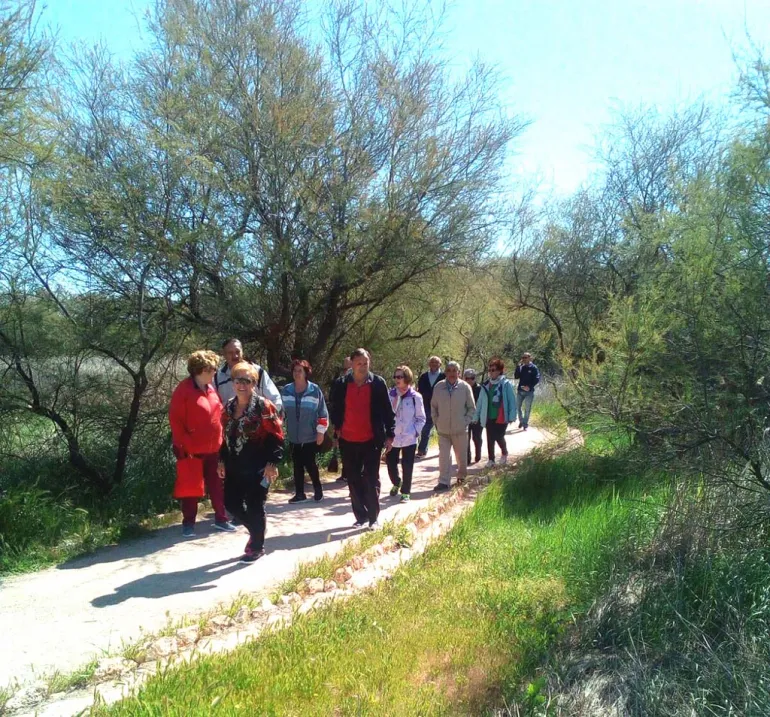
(426, 390)
(383, 418)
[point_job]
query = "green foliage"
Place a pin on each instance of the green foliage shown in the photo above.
(458, 629)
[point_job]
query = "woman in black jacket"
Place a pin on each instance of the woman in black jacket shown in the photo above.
(252, 448)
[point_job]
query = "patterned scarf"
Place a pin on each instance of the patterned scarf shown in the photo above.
(259, 420)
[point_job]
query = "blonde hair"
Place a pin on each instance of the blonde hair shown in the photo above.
(247, 368)
(408, 374)
(200, 361)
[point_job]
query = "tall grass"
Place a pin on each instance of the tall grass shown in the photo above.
(458, 629)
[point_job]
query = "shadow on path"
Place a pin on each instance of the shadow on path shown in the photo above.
(160, 585)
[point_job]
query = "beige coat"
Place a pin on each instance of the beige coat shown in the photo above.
(452, 413)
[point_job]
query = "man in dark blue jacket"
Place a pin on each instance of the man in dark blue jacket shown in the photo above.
(425, 385)
(529, 376)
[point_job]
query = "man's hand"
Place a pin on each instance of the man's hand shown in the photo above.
(221, 470)
(524, 388)
(319, 438)
(388, 445)
(271, 472)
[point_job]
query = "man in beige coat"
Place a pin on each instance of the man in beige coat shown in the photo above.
(452, 407)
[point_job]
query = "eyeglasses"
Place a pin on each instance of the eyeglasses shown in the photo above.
(242, 381)
(397, 376)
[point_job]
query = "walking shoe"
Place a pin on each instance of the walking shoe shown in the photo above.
(525, 428)
(248, 549)
(188, 531)
(422, 454)
(374, 526)
(521, 424)
(503, 459)
(341, 479)
(297, 499)
(252, 556)
(490, 463)
(318, 496)
(225, 526)
(394, 490)
(358, 524)
(440, 488)
(405, 498)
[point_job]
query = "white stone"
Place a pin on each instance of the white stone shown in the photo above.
(188, 635)
(162, 647)
(242, 615)
(290, 598)
(27, 697)
(329, 586)
(111, 667)
(266, 604)
(314, 585)
(221, 622)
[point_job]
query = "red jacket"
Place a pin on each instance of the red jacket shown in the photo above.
(195, 416)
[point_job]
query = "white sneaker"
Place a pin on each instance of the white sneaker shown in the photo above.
(503, 460)
(490, 463)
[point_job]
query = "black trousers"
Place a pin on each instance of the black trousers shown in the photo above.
(406, 454)
(496, 434)
(245, 499)
(303, 455)
(474, 434)
(361, 466)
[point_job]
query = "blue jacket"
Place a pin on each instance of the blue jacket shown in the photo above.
(509, 401)
(309, 417)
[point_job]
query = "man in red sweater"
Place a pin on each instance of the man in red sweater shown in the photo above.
(364, 423)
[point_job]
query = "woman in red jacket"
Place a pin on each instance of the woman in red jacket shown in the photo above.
(195, 415)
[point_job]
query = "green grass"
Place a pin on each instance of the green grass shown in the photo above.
(62, 682)
(456, 631)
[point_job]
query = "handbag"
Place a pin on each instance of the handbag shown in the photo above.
(189, 478)
(326, 444)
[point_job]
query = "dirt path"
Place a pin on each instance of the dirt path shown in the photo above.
(60, 618)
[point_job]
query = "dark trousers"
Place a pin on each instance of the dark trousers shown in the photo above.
(496, 434)
(425, 433)
(214, 489)
(245, 499)
(361, 466)
(406, 454)
(474, 434)
(303, 455)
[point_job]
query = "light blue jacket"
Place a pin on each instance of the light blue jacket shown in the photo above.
(307, 419)
(509, 401)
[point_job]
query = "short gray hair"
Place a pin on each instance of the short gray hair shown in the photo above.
(454, 364)
(470, 372)
(435, 358)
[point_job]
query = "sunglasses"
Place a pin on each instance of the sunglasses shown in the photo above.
(242, 381)
(397, 376)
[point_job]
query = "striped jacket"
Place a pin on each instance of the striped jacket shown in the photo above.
(308, 416)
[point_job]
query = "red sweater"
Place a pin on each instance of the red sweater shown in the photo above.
(357, 427)
(195, 416)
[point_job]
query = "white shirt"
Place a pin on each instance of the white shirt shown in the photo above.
(223, 382)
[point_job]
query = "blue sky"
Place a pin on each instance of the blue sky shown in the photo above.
(569, 64)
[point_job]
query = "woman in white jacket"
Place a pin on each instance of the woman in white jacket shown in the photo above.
(410, 418)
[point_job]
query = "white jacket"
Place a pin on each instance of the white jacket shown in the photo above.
(223, 382)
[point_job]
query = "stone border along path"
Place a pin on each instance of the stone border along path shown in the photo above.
(117, 677)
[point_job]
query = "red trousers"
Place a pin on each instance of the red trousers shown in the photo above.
(215, 489)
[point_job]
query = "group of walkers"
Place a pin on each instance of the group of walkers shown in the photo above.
(229, 424)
